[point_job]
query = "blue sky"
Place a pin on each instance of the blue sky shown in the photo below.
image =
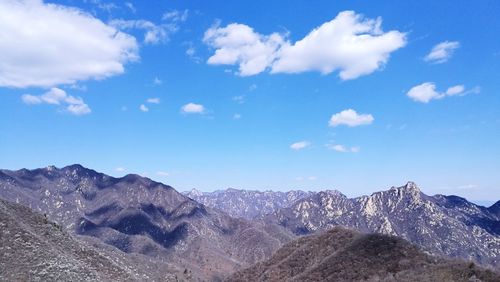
(244, 94)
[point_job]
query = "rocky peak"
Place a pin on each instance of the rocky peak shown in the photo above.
(409, 190)
(194, 193)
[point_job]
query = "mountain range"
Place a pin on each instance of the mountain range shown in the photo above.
(141, 216)
(248, 204)
(443, 225)
(147, 230)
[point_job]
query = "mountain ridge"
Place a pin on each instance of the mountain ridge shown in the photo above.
(342, 254)
(440, 224)
(140, 216)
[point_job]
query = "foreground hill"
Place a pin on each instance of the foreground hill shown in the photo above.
(140, 216)
(247, 204)
(33, 248)
(447, 225)
(347, 255)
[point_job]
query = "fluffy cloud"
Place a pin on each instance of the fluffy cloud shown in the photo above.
(350, 118)
(300, 145)
(50, 44)
(193, 108)
(442, 52)
(342, 148)
(143, 108)
(426, 92)
(349, 43)
(239, 44)
(237, 116)
(56, 96)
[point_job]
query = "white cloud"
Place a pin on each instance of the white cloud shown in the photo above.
(455, 90)
(191, 51)
(349, 43)
(56, 96)
(442, 52)
(143, 108)
(252, 87)
(155, 33)
(50, 44)
(157, 81)
(300, 145)
(237, 116)
(240, 99)
(176, 16)
(120, 169)
(131, 7)
(426, 92)
(108, 7)
(192, 108)
(153, 100)
(238, 44)
(342, 148)
(350, 118)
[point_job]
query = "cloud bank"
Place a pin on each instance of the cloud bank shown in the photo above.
(50, 44)
(349, 43)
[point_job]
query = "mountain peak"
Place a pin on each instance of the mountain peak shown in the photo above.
(51, 168)
(412, 186)
(195, 192)
(409, 188)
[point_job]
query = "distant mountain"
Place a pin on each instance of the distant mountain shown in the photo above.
(138, 215)
(447, 225)
(32, 248)
(346, 255)
(247, 203)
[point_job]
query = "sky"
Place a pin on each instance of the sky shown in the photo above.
(356, 96)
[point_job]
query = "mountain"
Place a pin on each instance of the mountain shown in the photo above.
(32, 248)
(141, 216)
(495, 209)
(347, 255)
(447, 225)
(247, 203)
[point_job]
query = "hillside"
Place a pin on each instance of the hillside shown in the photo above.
(346, 255)
(33, 248)
(140, 216)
